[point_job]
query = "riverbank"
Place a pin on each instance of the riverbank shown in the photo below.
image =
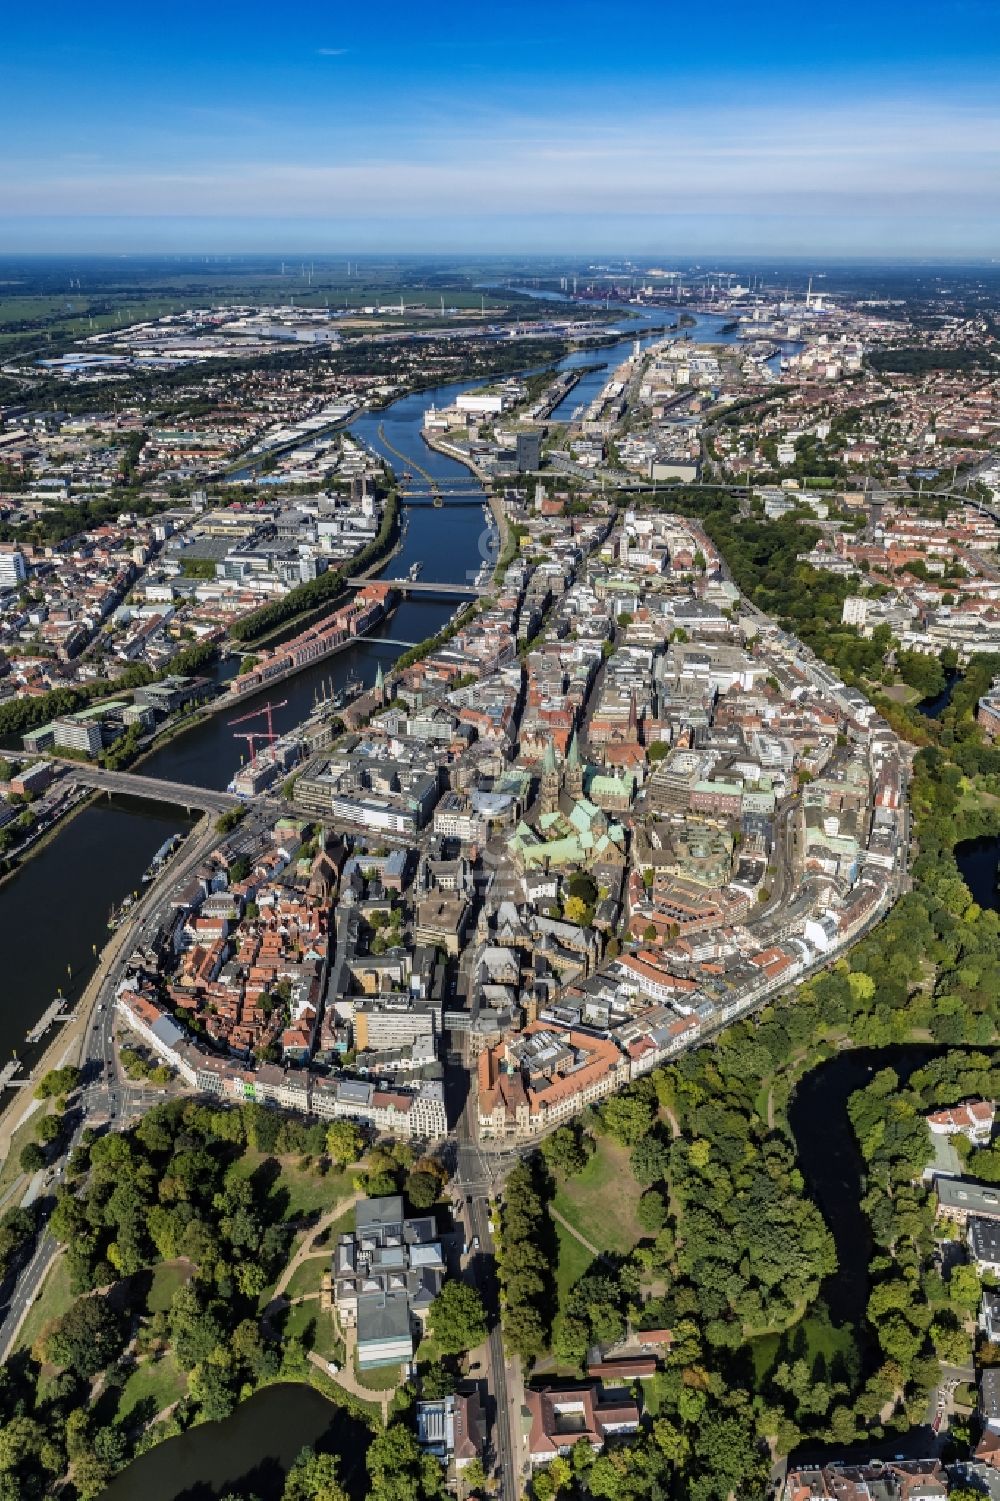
(69, 1037)
(224, 700)
(316, 614)
(319, 592)
(69, 1043)
(257, 1444)
(113, 843)
(450, 451)
(33, 847)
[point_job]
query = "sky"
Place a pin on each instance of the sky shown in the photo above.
(868, 129)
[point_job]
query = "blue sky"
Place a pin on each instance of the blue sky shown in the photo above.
(868, 129)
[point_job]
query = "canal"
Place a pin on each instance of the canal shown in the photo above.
(834, 1171)
(252, 1450)
(833, 1167)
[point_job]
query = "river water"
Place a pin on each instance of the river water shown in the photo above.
(831, 1163)
(54, 911)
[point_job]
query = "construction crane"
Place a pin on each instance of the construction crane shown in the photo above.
(252, 736)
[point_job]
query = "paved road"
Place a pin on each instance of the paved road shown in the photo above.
(26, 1291)
(476, 1178)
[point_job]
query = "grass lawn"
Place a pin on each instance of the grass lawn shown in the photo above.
(328, 1342)
(601, 1201)
(10, 1167)
(167, 1278)
(156, 1382)
(304, 1193)
(764, 1353)
(821, 1337)
(296, 1321)
(574, 1260)
(307, 1276)
(345, 1221)
(383, 1379)
(52, 1302)
(308, 1321)
(902, 693)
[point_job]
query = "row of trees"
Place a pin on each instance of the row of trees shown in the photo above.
(19, 714)
(526, 1259)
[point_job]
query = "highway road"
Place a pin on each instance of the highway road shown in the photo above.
(26, 1290)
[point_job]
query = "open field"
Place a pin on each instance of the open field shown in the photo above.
(307, 1276)
(902, 693)
(10, 1167)
(43, 323)
(305, 1192)
(309, 1322)
(601, 1202)
(167, 1278)
(817, 1336)
(153, 1385)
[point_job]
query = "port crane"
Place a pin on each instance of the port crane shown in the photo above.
(252, 736)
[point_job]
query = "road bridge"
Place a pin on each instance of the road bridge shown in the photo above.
(445, 502)
(460, 491)
(134, 784)
(413, 586)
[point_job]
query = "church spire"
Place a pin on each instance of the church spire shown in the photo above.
(574, 768)
(550, 780)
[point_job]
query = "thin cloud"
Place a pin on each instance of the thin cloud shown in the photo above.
(332, 51)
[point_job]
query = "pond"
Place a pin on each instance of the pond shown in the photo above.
(252, 1450)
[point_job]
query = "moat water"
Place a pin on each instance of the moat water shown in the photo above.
(251, 1451)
